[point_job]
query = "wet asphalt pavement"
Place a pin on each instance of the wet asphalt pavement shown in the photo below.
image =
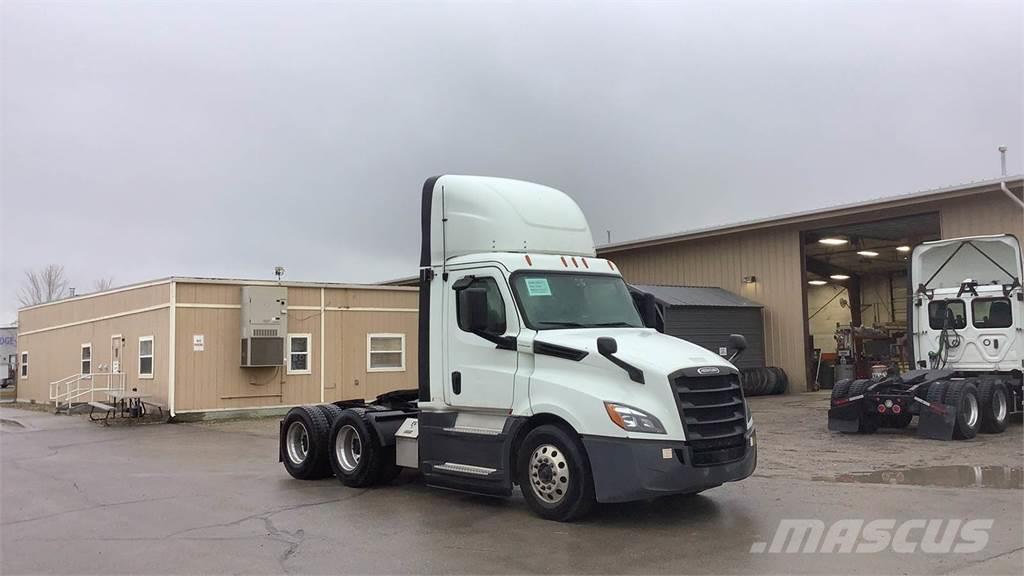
(76, 497)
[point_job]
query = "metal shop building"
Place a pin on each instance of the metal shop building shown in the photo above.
(203, 344)
(833, 273)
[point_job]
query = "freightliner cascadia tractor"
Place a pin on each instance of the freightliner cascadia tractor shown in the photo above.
(535, 370)
(966, 326)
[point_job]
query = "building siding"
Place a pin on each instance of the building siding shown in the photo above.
(772, 253)
(990, 213)
(56, 354)
(211, 379)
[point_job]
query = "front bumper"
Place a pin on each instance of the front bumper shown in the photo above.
(626, 470)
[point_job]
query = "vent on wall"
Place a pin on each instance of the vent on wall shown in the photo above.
(264, 312)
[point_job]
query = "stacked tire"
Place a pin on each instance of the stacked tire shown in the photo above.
(764, 381)
(325, 440)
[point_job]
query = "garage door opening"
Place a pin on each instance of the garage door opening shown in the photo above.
(857, 294)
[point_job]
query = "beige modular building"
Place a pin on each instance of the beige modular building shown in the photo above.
(807, 286)
(179, 340)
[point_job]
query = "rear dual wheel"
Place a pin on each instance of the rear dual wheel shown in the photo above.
(356, 455)
(868, 422)
(962, 397)
(305, 439)
(995, 406)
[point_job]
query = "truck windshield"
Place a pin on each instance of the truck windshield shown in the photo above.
(552, 301)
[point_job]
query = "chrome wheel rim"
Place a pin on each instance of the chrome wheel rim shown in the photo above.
(972, 411)
(549, 474)
(999, 399)
(348, 448)
(297, 442)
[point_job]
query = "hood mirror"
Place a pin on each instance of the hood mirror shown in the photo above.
(738, 343)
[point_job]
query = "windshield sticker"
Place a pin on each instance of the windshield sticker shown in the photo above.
(538, 287)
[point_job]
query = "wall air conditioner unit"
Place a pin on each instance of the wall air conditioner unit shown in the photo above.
(264, 325)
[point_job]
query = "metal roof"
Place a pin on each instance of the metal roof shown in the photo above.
(970, 188)
(696, 296)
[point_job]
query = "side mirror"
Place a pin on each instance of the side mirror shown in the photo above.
(606, 346)
(474, 308)
(738, 343)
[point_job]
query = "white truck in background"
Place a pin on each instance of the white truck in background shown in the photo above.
(966, 326)
(534, 370)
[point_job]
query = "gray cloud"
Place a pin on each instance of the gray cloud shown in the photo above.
(145, 139)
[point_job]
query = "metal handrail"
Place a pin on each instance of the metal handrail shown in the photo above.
(79, 385)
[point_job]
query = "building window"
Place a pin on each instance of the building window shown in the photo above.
(385, 352)
(298, 354)
(146, 357)
(24, 364)
(940, 309)
(86, 359)
(991, 313)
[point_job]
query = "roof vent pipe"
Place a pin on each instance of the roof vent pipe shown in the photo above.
(1006, 190)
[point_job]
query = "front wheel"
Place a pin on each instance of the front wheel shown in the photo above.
(554, 474)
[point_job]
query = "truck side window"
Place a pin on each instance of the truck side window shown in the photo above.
(937, 314)
(991, 313)
(495, 307)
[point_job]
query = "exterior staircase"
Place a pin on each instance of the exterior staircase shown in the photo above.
(79, 389)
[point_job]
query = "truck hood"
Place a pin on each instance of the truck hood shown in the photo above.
(644, 348)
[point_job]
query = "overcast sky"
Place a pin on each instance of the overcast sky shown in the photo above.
(148, 139)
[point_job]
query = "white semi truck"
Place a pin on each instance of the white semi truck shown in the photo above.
(535, 370)
(966, 327)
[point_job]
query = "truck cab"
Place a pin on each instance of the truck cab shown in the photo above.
(536, 370)
(966, 326)
(969, 295)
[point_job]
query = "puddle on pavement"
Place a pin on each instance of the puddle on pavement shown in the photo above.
(1005, 477)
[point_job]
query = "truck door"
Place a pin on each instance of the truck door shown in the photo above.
(481, 363)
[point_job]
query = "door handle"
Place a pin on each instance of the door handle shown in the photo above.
(456, 382)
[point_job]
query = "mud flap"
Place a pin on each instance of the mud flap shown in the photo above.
(936, 422)
(845, 417)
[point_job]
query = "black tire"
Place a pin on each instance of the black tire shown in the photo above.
(310, 462)
(770, 381)
(841, 389)
(331, 411)
(995, 406)
(937, 392)
(868, 420)
(963, 396)
(781, 380)
(362, 462)
(574, 496)
(746, 382)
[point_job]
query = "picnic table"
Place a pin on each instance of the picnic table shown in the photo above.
(131, 403)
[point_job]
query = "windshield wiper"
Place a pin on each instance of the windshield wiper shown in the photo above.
(565, 324)
(613, 325)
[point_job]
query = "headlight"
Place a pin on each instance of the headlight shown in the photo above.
(633, 420)
(750, 421)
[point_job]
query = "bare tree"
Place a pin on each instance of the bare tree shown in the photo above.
(105, 283)
(44, 285)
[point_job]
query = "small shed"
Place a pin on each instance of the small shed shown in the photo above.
(707, 316)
